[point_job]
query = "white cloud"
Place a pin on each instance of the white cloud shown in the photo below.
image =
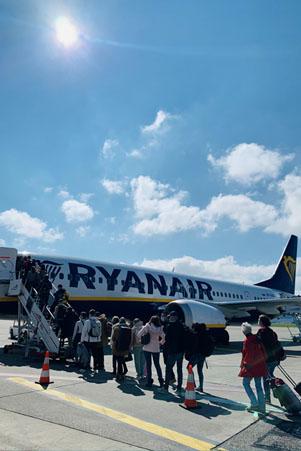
(2, 243)
(85, 197)
(137, 153)
(225, 268)
(76, 211)
(289, 220)
(64, 194)
(82, 231)
(21, 223)
(245, 212)
(160, 210)
(250, 163)
(120, 238)
(113, 186)
(109, 148)
(48, 189)
(157, 126)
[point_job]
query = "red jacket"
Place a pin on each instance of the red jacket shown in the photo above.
(253, 362)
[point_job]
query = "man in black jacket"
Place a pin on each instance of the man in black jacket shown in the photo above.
(174, 348)
(273, 349)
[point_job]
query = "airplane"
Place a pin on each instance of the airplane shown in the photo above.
(132, 291)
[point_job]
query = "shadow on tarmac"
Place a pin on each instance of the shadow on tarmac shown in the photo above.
(207, 410)
(130, 387)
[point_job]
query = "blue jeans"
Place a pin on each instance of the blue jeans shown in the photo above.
(198, 360)
(170, 361)
(259, 401)
(271, 368)
(148, 358)
(139, 360)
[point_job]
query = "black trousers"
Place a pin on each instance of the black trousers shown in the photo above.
(115, 362)
(101, 357)
(93, 347)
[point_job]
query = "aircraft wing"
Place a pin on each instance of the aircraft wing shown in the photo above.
(273, 306)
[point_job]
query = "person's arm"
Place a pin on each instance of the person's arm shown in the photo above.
(143, 331)
(162, 336)
(114, 334)
(132, 338)
(75, 330)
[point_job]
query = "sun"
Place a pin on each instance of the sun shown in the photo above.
(66, 32)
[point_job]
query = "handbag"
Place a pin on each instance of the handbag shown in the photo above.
(145, 339)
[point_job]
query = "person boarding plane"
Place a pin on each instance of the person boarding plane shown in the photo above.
(133, 291)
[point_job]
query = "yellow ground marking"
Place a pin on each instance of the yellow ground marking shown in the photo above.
(160, 431)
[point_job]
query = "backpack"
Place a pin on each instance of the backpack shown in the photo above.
(95, 329)
(145, 339)
(123, 342)
(188, 339)
(276, 349)
(279, 352)
(209, 345)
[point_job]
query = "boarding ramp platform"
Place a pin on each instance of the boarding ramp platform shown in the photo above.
(36, 319)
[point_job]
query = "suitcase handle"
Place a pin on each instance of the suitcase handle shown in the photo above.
(285, 373)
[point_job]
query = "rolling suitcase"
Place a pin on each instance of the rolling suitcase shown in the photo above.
(286, 396)
(297, 387)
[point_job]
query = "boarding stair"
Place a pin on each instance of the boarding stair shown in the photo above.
(38, 322)
(296, 319)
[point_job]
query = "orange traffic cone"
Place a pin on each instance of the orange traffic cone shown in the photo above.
(45, 377)
(190, 401)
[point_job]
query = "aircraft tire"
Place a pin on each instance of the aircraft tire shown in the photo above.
(221, 336)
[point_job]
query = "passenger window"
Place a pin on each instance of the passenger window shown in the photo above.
(217, 293)
(241, 296)
(225, 295)
(213, 292)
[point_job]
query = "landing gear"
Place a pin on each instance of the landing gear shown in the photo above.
(220, 336)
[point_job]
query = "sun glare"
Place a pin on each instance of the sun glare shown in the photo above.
(66, 32)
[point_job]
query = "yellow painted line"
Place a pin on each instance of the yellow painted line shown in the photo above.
(160, 431)
(8, 299)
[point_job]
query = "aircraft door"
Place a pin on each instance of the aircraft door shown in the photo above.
(8, 258)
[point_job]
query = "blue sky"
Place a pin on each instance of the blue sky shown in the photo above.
(168, 134)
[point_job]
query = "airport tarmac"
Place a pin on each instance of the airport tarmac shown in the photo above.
(94, 412)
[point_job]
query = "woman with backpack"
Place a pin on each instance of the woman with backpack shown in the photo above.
(202, 346)
(273, 349)
(253, 366)
(152, 335)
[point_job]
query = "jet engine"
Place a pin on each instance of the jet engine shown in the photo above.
(197, 312)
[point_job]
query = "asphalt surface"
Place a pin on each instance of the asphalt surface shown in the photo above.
(94, 412)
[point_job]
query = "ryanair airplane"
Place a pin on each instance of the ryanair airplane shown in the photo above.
(136, 291)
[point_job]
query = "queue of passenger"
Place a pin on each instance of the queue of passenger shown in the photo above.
(131, 340)
(89, 336)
